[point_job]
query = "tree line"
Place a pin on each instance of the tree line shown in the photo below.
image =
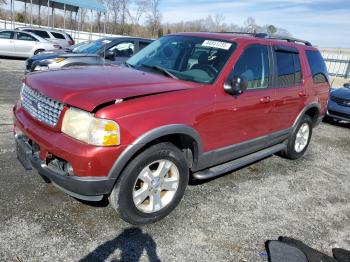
(138, 18)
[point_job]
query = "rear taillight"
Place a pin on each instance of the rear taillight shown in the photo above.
(71, 42)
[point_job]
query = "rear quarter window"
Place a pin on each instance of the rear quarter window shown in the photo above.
(317, 66)
(58, 35)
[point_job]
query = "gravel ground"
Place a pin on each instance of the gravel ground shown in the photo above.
(225, 219)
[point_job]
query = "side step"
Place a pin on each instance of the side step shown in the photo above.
(237, 163)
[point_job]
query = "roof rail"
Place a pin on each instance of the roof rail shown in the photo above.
(286, 38)
(267, 36)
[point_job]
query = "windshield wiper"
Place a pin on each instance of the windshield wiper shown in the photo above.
(160, 69)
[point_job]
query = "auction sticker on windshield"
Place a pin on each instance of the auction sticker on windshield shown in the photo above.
(216, 44)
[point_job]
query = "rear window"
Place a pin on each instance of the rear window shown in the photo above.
(317, 66)
(58, 35)
(288, 69)
(40, 33)
(70, 37)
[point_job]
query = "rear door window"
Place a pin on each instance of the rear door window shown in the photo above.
(40, 33)
(25, 37)
(317, 66)
(288, 69)
(124, 49)
(6, 35)
(253, 66)
(58, 35)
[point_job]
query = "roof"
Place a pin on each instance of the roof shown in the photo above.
(232, 36)
(41, 28)
(72, 5)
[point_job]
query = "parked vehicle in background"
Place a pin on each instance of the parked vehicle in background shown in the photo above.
(72, 48)
(111, 50)
(57, 36)
(16, 43)
(339, 104)
(190, 104)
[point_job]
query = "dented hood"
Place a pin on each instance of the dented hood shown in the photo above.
(89, 87)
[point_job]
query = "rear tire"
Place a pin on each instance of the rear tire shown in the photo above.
(152, 185)
(299, 139)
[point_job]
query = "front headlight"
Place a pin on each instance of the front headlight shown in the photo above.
(85, 127)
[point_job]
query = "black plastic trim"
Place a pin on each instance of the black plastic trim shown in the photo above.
(286, 49)
(232, 152)
(150, 136)
(87, 188)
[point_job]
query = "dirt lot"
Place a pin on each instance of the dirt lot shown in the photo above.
(226, 219)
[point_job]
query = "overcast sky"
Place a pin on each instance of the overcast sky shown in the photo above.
(324, 23)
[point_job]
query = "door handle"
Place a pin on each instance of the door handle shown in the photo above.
(265, 100)
(302, 94)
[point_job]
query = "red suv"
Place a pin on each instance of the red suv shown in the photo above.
(190, 104)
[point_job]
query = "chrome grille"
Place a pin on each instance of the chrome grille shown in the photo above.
(41, 107)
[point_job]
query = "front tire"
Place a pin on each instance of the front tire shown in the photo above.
(152, 185)
(299, 139)
(38, 51)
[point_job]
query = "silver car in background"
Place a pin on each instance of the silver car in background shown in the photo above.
(56, 36)
(17, 43)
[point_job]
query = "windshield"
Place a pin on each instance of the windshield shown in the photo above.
(92, 47)
(187, 58)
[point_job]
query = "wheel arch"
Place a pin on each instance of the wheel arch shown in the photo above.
(313, 110)
(182, 136)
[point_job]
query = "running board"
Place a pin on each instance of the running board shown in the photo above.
(237, 163)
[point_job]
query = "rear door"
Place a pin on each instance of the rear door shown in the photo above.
(289, 89)
(25, 44)
(7, 46)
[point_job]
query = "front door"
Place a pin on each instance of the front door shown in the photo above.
(243, 121)
(25, 44)
(6, 43)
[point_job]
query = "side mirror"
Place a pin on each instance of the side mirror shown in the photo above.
(236, 85)
(109, 55)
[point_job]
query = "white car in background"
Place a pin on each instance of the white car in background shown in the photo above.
(17, 43)
(55, 36)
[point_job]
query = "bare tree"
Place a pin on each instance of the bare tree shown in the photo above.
(124, 10)
(250, 25)
(154, 17)
(114, 9)
(2, 2)
(140, 8)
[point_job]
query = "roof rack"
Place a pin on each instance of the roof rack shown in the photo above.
(288, 39)
(276, 37)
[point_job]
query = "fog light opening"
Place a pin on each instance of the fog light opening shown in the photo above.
(60, 166)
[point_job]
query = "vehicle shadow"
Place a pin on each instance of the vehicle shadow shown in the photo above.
(13, 58)
(131, 243)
